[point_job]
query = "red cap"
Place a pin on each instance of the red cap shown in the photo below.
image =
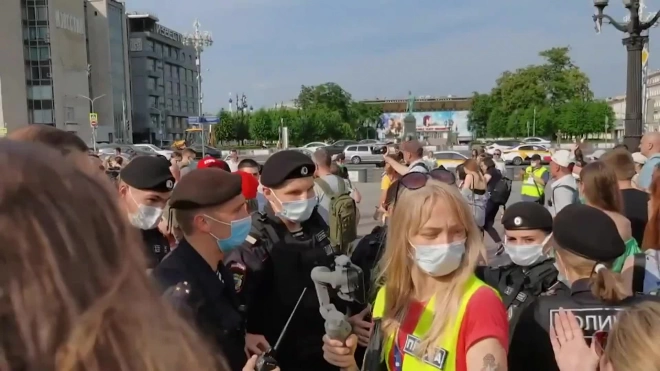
(210, 162)
(249, 185)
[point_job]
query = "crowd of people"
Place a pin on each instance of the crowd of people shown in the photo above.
(146, 263)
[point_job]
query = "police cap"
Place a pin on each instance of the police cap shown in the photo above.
(588, 232)
(285, 165)
(525, 216)
(148, 173)
(204, 188)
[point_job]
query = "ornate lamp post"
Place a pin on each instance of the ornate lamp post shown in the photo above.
(634, 43)
(199, 40)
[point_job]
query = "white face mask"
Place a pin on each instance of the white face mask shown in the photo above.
(297, 211)
(146, 217)
(440, 259)
(526, 255)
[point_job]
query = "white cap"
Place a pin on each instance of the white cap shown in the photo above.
(639, 158)
(563, 158)
(598, 154)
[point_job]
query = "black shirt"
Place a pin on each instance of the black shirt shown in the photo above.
(156, 246)
(495, 177)
(635, 208)
(212, 301)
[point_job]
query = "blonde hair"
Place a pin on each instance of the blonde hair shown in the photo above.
(631, 344)
(604, 283)
(413, 210)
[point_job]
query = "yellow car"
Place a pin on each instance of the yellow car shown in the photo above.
(448, 159)
(523, 153)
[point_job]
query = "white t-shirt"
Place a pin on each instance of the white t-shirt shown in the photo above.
(233, 165)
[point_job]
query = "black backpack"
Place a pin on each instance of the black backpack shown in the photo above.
(502, 191)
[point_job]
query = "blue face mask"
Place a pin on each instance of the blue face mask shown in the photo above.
(239, 232)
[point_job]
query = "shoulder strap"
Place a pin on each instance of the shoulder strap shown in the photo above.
(341, 186)
(423, 164)
(639, 271)
(324, 186)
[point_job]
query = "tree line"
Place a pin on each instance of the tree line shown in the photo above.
(547, 100)
(322, 112)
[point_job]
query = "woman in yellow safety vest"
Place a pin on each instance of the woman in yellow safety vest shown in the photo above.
(431, 312)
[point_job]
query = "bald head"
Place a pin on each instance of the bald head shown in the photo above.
(650, 144)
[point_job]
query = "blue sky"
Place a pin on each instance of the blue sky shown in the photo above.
(267, 49)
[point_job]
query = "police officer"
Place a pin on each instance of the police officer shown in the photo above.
(145, 185)
(528, 227)
(274, 264)
(586, 244)
(211, 213)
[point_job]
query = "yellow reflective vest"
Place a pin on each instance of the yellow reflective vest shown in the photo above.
(530, 187)
(444, 356)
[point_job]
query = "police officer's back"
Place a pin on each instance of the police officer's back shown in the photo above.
(532, 273)
(274, 265)
(586, 244)
(144, 188)
(210, 211)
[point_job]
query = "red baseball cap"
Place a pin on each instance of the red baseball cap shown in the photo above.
(249, 185)
(210, 162)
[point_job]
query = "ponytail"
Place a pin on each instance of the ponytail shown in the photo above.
(607, 285)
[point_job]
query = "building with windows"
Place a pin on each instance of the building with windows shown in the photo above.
(44, 66)
(163, 81)
(109, 69)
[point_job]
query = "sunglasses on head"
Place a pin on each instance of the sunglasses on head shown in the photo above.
(414, 181)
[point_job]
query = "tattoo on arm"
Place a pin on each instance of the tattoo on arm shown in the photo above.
(490, 363)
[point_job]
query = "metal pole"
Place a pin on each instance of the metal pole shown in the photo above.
(534, 127)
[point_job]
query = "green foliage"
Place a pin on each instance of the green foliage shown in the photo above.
(540, 100)
(324, 112)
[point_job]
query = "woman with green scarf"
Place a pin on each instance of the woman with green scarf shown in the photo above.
(599, 188)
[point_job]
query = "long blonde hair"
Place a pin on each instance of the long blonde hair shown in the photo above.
(413, 210)
(631, 344)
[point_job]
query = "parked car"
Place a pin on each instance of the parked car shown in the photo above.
(338, 146)
(523, 153)
(536, 140)
(369, 141)
(448, 159)
(501, 145)
(365, 153)
(154, 149)
(313, 146)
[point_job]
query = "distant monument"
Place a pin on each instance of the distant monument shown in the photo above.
(409, 122)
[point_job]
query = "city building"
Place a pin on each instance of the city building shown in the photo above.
(423, 103)
(618, 105)
(163, 81)
(44, 66)
(109, 69)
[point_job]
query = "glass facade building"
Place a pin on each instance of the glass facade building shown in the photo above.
(163, 79)
(118, 68)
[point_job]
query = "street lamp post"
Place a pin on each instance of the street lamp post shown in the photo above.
(242, 107)
(91, 103)
(634, 43)
(199, 40)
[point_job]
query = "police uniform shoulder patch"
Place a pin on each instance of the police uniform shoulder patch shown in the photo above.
(238, 271)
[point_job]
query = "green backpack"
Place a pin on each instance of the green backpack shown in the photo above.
(342, 215)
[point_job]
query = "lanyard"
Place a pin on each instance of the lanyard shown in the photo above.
(398, 357)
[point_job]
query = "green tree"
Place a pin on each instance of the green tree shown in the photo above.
(261, 126)
(328, 95)
(479, 114)
(224, 130)
(241, 126)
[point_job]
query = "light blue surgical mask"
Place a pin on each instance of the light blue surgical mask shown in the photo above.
(526, 255)
(239, 231)
(297, 211)
(439, 259)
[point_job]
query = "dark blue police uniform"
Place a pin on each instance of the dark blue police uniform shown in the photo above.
(210, 299)
(589, 233)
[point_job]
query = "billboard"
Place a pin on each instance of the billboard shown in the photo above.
(391, 124)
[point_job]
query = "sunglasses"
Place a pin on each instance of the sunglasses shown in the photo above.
(497, 154)
(414, 181)
(600, 338)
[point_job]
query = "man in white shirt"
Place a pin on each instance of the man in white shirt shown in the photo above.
(562, 190)
(233, 160)
(412, 155)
